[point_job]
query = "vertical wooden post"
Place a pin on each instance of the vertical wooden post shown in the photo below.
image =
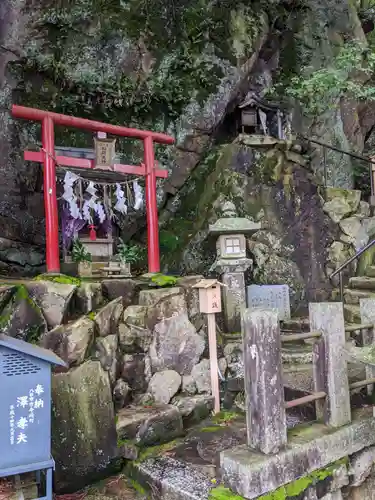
(211, 324)
(329, 363)
(151, 207)
(50, 197)
(367, 310)
(265, 407)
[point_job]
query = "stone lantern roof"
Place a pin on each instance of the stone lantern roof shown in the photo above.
(230, 223)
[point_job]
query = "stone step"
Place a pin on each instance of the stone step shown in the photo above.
(294, 354)
(352, 296)
(188, 468)
(154, 424)
(352, 313)
(296, 325)
(362, 283)
(370, 271)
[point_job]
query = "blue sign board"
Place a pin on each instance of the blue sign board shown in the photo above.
(25, 410)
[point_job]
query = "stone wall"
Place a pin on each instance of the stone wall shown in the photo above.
(356, 227)
(132, 351)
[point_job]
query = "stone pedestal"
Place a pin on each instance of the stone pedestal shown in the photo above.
(234, 297)
(232, 261)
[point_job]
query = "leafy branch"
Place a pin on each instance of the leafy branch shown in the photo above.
(350, 75)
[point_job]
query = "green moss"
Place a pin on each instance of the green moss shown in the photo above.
(137, 486)
(32, 333)
(139, 63)
(155, 451)
(5, 318)
(365, 261)
(169, 241)
(291, 490)
(162, 280)
(91, 315)
(122, 442)
(222, 493)
(63, 279)
(225, 417)
(214, 177)
(307, 431)
(212, 428)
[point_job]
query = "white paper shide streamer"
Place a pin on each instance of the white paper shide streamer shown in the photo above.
(102, 208)
(138, 196)
(69, 195)
(120, 205)
(90, 204)
(100, 212)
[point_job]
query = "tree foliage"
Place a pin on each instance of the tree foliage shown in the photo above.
(351, 74)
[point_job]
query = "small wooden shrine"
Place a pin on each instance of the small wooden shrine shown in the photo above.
(258, 116)
(93, 200)
(86, 208)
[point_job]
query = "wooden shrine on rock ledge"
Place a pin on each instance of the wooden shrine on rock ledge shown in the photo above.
(91, 202)
(95, 190)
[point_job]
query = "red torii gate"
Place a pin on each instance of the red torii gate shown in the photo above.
(47, 157)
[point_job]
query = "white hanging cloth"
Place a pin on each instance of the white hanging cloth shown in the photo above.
(100, 212)
(263, 121)
(120, 205)
(138, 196)
(90, 204)
(69, 196)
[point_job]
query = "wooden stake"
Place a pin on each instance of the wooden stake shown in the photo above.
(211, 322)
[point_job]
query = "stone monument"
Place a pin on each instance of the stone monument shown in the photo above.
(231, 262)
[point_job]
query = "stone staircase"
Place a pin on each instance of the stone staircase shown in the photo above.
(297, 356)
(360, 287)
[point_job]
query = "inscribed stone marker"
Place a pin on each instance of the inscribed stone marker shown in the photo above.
(330, 366)
(266, 419)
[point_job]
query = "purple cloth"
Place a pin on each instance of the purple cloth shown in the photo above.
(70, 227)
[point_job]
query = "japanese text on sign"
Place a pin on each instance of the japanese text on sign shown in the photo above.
(26, 406)
(215, 302)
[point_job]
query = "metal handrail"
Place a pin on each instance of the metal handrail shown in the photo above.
(338, 150)
(325, 146)
(346, 263)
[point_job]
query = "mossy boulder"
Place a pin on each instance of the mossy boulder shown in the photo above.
(71, 342)
(106, 353)
(88, 297)
(150, 426)
(125, 288)
(265, 186)
(350, 196)
(108, 317)
(84, 440)
(134, 334)
(53, 299)
(20, 316)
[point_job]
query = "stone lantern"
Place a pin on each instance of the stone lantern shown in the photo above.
(231, 262)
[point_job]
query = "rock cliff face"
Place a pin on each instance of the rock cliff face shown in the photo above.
(179, 67)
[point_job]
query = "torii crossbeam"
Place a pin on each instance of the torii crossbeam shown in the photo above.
(47, 157)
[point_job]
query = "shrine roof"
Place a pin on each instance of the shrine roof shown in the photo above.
(253, 99)
(228, 225)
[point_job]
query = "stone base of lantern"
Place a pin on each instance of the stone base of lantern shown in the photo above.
(234, 296)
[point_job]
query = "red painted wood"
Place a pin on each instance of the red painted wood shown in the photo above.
(82, 123)
(67, 161)
(50, 198)
(150, 172)
(151, 208)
